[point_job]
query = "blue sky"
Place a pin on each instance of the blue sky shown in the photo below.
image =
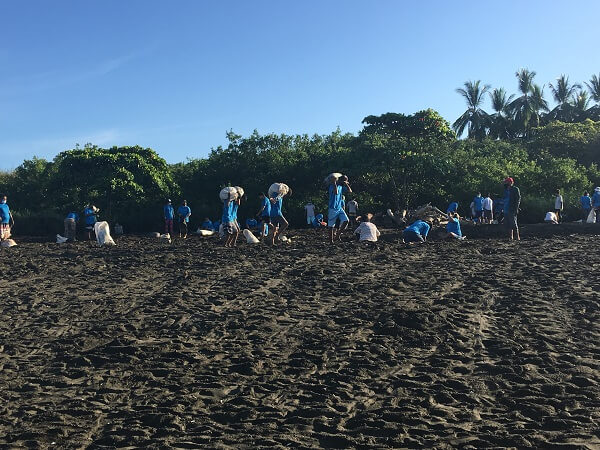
(175, 76)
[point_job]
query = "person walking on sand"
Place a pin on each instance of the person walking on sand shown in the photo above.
(596, 203)
(70, 223)
(586, 205)
(367, 231)
(184, 212)
(91, 217)
(558, 205)
(169, 215)
(488, 209)
(6, 218)
(353, 211)
(337, 188)
(278, 222)
(416, 232)
(264, 212)
(310, 212)
(512, 201)
(228, 222)
(478, 206)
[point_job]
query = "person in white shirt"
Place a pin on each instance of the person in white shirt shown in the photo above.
(352, 211)
(558, 205)
(551, 217)
(367, 231)
(310, 213)
(488, 208)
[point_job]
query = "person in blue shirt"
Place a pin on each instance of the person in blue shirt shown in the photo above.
(169, 215)
(278, 222)
(91, 217)
(216, 225)
(229, 221)
(586, 205)
(337, 189)
(596, 203)
(452, 207)
(207, 224)
(251, 224)
(453, 227)
(6, 218)
(70, 223)
(184, 212)
(478, 205)
(416, 232)
(318, 223)
(264, 213)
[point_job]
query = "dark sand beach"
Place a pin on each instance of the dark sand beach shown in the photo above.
(474, 344)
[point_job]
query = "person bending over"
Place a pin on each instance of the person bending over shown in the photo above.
(453, 227)
(416, 232)
(367, 231)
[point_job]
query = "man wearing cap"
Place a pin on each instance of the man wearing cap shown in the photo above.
(169, 213)
(596, 203)
(512, 201)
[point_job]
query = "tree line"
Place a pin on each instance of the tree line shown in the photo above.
(519, 115)
(395, 161)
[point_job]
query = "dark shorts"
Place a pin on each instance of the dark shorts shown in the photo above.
(510, 221)
(478, 214)
(89, 227)
(277, 221)
(487, 214)
(411, 236)
(265, 219)
(230, 228)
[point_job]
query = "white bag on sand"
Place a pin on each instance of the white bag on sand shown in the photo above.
(591, 218)
(8, 243)
(231, 193)
(61, 239)
(155, 234)
(280, 189)
(250, 238)
(204, 232)
(103, 236)
(332, 177)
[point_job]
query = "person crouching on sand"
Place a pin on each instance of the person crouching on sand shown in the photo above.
(228, 222)
(416, 232)
(453, 227)
(337, 188)
(551, 217)
(366, 231)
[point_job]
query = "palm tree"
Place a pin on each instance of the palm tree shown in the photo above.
(474, 118)
(594, 88)
(499, 121)
(580, 106)
(522, 107)
(538, 104)
(564, 94)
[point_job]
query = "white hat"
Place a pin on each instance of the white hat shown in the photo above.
(597, 189)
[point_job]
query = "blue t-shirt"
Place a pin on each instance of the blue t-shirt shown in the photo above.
(419, 227)
(586, 202)
(216, 225)
(276, 207)
(234, 210)
(478, 203)
(207, 225)
(452, 207)
(90, 216)
(506, 201)
(228, 215)
(184, 211)
(4, 213)
(73, 215)
(336, 197)
(266, 204)
(453, 226)
(596, 199)
(169, 212)
(251, 223)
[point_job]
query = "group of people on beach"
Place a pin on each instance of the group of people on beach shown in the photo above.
(271, 224)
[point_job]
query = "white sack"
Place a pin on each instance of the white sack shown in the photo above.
(103, 236)
(250, 238)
